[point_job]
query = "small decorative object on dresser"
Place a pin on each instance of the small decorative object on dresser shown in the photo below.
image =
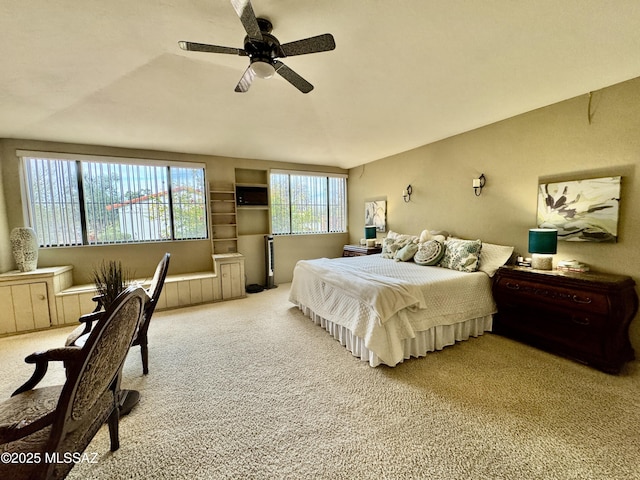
(583, 316)
(358, 250)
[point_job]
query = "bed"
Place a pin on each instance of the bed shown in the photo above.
(385, 311)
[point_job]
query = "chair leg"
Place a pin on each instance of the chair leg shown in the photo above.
(144, 351)
(114, 429)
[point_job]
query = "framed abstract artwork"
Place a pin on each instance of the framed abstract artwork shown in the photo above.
(375, 214)
(581, 210)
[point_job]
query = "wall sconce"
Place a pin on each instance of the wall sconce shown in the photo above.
(478, 184)
(406, 193)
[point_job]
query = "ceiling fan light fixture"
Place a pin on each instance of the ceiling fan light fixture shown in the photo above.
(263, 69)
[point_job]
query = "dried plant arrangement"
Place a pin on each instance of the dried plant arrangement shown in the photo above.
(110, 279)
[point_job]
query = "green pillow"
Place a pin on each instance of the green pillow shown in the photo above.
(406, 253)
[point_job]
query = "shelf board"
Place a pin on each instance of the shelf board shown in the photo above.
(259, 185)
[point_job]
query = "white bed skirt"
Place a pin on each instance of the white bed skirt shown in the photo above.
(436, 338)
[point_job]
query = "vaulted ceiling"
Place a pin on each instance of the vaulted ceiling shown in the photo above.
(404, 72)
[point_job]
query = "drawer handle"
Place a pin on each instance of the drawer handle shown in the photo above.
(577, 299)
(581, 321)
(513, 286)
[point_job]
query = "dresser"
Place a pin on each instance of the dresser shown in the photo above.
(583, 316)
(359, 250)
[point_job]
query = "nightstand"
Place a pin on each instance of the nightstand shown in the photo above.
(359, 250)
(583, 316)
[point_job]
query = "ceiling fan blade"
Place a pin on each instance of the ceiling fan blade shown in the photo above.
(245, 81)
(249, 21)
(292, 77)
(204, 47)
(320, 43)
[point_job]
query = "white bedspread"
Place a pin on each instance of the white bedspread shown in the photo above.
(385, 302)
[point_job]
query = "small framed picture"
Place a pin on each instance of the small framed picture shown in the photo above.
(375, 214)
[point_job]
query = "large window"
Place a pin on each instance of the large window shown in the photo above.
(304, 202)
(97, 201)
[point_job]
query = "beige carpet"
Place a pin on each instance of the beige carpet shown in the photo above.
(253, 389)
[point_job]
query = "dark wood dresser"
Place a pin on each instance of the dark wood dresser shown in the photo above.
(583, 316)
(358, 250)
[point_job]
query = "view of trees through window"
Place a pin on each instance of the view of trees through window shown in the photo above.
(307, 203)
(74, 202)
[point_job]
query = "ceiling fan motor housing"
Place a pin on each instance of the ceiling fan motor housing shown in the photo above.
(266, 50)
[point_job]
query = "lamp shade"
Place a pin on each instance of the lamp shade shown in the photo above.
(370, 232)
(543, 240)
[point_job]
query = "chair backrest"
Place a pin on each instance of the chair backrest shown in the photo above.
(154, 291)
(92, 385)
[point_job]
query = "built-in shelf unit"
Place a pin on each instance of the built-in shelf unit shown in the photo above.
(252, 198)
(224, 220)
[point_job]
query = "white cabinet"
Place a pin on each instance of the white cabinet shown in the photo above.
(28, 298)
(229, 270)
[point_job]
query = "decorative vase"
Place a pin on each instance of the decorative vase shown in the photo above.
(24, 246)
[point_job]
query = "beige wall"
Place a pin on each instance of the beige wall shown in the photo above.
(550, 144)
(6, 259)
(186, 256)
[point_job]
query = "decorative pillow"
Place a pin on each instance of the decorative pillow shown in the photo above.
(390, 246)
(493, 257)
(395, 241)
(407, 252)
(429, 253)
(439, 235)
(402, 236)
(461, 255)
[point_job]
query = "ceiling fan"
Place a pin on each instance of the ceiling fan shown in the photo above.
(263, 49)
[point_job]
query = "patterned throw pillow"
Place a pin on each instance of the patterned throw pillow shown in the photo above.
(429, 253)
(461, 255)
(390, 246)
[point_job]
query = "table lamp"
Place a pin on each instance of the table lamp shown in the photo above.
(370, 232)
(543, 244)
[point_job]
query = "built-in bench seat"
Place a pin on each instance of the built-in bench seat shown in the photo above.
(46, 297)
(179, 290)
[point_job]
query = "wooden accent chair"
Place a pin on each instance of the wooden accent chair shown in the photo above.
(79, 335)
(44, 431)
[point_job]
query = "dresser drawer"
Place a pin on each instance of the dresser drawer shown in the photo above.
(575, 336)
(563, 297)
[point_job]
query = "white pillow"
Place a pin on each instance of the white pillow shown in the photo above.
(402, 236)
(438, 235)
(493, 257)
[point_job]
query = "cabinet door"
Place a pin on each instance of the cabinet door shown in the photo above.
(30, 306)
(231, 280)
(7, 319)
(40, 303)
